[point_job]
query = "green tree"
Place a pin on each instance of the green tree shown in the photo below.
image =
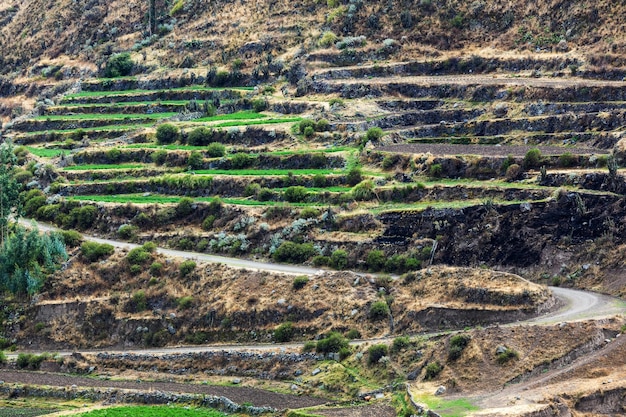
(167, 133)
(27, 258)
(9, 189)
(118, 65)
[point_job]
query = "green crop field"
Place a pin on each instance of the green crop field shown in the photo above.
(240, 115)
(161, 199)
(266, 171)
(113, 93)
(106, 128)
(152, 411)
(45, 152)
(105, 116)
(102, 167)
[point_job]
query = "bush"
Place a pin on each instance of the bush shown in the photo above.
(379, 310)
(167, 133)
(118, 65)
(400, 343)
(432, 370)
(532, 159)
(300, 282)
(328, 39)
(374, 133)
(199, 136)
(309, 213)
(184, 207)
(354, 176)
(294, 252)
(84, 216)
(93, 251)
(185, 303)
(376, 260)
(304, 124)
(567, 160)
(140, 301)
(283, 333)
(137, 256)
(216, 150)
(240, 161)
(458, 343)
(156, 268)
(32, 361)
(295, 194)
(353, 334)
(308, 346)
(159, 157)
(513, 172)
(127, 232)
(259, 105)
(195, 160)
(339, 259)
(186, 268)
(207, 223)
(322, 125)
(71, 238)
(435, 171)
(375, 352)
(309, 132)
(3, 358)
(320, 260)
(334, 342)
(363, 191)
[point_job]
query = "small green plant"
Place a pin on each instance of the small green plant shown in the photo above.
(376, 260)
(376, 352)
(532, 159)
(458, 343)
(309, 132)
(328, 39)
(353, 334)
(137, 256)
(435, 171)
(93, 251)
(374, 134)
(186, 268)
(207, 223)
(185, 303)
(71, 238)
(400, 343)
(379, 310)
(118, 65)
(333, 342)
(567, 160)
(167, 133)
(3, 358)
(296, 194)
(506, 356)
(156, 269)
(309, 213)
(284, 332)
(339, 259)
(127, 232)
(300, 282)
(309, 346)
(216, 150)
(432, 370)
(140, 301)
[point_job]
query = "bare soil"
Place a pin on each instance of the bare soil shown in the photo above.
(240, 395)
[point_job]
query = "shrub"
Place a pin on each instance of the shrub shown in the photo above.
(354, 176)
(308, 346)
(240, 161)
(344, 352)
(333, 342)
(458, 343)
(186, 268)
(259, 105)
(184, 207)
(363, 191)
(294, 252)
(374, 133)
(304, 124)
(84, 216)
(320, 260)
(300, 282)
(353, 334)
(167, 133)
(216, 150)
(322, 125)
(127, 231)
(375, 352)
(567, 160)
(507, 355)
(319, 181)
(379, 310)
(71, 238)
(309, 213)
(283, 333)
(309, 132)
(432, 370)
(513, 172)
(199, 136)
(159, 157)
(185, 303)
(137, 256)
(435, 171)
(295, 194)
(339, 259)
(156, 268)
(399, 343)
(140, 301)
(207, 223)
(3, 358)
(376, 260)
(195, 160)
(532, 159)
(93, 251)
(328, 39)
(177, 8)
(118, 65)
(335, 101)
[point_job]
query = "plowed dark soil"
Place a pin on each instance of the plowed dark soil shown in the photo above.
(240, 395)
(486, 150)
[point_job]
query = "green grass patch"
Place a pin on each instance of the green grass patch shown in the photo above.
(107, 128)
(448, 408)
(152, 411)
(266, 171)
(240, 115)
(105, 116)
(163, 199)
(45, 152)
(259, 122)
(102, 167)
(138, 91)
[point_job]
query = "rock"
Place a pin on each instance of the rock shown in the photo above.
(562, 46)
(171, 329)
(298, 372)
(586, 266)
(525, 206)
(316, 371)
(379, 396)
(412, 376)
(440, 390)
(294, 387)
(500, 350)
(501, 110)
(367, 398)
(354, 312)
(236, 381)
(281, 301)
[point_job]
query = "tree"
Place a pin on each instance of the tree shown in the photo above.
(27, 258)
(152, 17)
(9, 188)
(167, 133)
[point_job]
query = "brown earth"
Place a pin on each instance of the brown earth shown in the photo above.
(486, 150)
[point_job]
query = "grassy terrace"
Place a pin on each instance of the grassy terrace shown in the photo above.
(162, 199)
(69, 106)
(114, 116)
(197, 88)
(46, 152)
(107, 128)
(102, 167)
